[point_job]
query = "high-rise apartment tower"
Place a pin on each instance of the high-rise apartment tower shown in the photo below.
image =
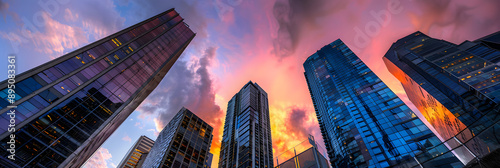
(246, 141)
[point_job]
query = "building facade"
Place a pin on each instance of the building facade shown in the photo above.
(363, 123)
(208, 161)
(246, 140)
(137, 154)
(184, 142)
(456, 89)
(305, 154)
(68, 107)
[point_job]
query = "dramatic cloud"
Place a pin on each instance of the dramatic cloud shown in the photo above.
(297, 122)
(98, 17)
(100, 159)
(225, 9)
(187, 84)
(190, 10)
(449, 19)
(56, 31)
(69, 16)
(293, 15)
(57, 37)
(292, 125)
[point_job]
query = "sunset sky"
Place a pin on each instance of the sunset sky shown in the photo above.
(265, 41)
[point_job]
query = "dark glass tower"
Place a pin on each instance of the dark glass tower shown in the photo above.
(363, 123)
(246, 141)
(184, 142)
(456, 89)
(208, 161)
(137, 154)
(68, 107)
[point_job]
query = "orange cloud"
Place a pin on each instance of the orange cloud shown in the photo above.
(291, 125)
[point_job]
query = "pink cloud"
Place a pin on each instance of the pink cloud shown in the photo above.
(127, 138)
(98, 18)
(100, 159)
(225, 10)
(4, 11)
(70, 16)
(57, 37)
(456, 20)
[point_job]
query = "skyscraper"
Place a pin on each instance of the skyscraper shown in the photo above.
(363, 123)
(68, 107)
(184, 142)
(246, 141)
(456, 89)
(137, 154)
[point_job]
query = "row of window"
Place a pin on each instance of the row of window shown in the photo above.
(158, 151)
(61, 69)
(444, 94)
(188, 145)
(397, 133)
(90, 122)
(51, 95)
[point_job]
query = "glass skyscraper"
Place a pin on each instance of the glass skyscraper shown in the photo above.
(456, 89)
(246, 141)
(68, 107)
(137, 154)
(184, 142)
(363, 123)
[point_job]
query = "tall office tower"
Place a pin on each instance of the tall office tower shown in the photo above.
(362, 121)
(68, 107)
(456, 88)
(246, 141)
(137, 154)
(184, 142)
